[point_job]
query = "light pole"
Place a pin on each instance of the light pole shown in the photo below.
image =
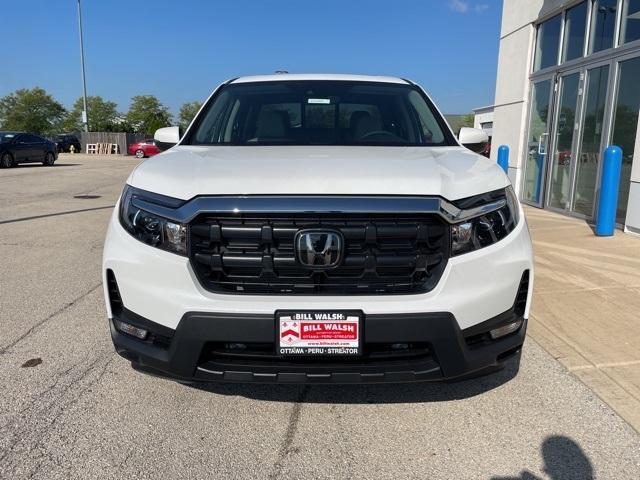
(85, 115)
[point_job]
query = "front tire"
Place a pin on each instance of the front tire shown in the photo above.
(139, 154)
(6, 161)
(49, 159)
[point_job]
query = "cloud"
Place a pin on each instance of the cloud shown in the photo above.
(459, 6)
(463, 6)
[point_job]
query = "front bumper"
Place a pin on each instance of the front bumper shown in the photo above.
(188, 353)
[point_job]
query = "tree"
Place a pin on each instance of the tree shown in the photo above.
(146, 114)
(31, 110)
(187, 112)
(467, 120)
(102, 115)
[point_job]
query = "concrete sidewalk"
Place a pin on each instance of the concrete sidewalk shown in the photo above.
(586, 306)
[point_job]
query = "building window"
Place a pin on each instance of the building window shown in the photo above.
(625, 126)
(603, 25)
(575, 27)
(547, 43)
(630, 21)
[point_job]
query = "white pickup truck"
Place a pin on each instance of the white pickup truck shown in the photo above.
(318, 229)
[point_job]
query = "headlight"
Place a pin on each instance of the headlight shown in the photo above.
(486, 228)
(151, 229)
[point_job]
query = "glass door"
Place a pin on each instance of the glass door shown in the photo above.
(625, 132)
(590, 146)
(564, 144)
(537, 141)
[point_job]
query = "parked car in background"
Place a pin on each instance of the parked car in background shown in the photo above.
(18, 147)
(486, 150)
(66, 141)
(147, 148)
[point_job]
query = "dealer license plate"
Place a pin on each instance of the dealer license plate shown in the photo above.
(319, 332)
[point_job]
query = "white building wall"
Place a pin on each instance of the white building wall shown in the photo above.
(512, 91)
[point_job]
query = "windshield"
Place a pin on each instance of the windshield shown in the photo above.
(319, 113)
(6, 136)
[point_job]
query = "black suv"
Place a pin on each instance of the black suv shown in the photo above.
(65, 141)
(18, 147)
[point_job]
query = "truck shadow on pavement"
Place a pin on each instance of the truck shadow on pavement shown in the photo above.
(563, 460)
(366, 393)
(38, 165)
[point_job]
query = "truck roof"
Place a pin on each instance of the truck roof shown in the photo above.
(319, 76)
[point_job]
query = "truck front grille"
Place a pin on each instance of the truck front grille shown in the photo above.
(383, 254)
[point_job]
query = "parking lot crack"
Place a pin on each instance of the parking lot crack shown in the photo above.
(46, 319)
(292, 427)
(45, 412)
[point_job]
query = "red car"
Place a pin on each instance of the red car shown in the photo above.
(144, 149)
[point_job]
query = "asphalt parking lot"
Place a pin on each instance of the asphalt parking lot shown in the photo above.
(71, 408)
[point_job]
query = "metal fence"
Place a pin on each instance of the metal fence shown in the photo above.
(123, 140)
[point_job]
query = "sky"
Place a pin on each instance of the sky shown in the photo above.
(180, 50)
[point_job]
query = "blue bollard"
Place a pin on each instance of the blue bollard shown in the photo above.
(609, 185)
(503, 158)
(537, 189)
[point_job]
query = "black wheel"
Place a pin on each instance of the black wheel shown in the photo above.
(49, 158)
(6, 161)
(139, 154)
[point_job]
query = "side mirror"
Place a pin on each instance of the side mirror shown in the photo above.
(473, 138)
(167, 137)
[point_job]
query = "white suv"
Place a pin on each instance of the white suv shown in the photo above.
(318, 228)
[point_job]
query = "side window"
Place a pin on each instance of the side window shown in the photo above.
(431, 131)
(209, 130)
(233, 124)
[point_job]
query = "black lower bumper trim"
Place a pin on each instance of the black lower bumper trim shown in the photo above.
(452, 354)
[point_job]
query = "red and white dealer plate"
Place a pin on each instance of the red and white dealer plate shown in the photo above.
(319, 333)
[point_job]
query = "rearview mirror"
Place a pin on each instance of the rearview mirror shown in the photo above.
(167, 137)
(473, 138)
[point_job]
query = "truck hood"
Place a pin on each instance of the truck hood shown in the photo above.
(187, 171)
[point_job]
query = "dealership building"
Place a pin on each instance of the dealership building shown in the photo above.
(568, 85)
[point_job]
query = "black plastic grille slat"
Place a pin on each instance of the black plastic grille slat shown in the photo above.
(115, 301)
(521, 297)
(265, 353)
(383, 254)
